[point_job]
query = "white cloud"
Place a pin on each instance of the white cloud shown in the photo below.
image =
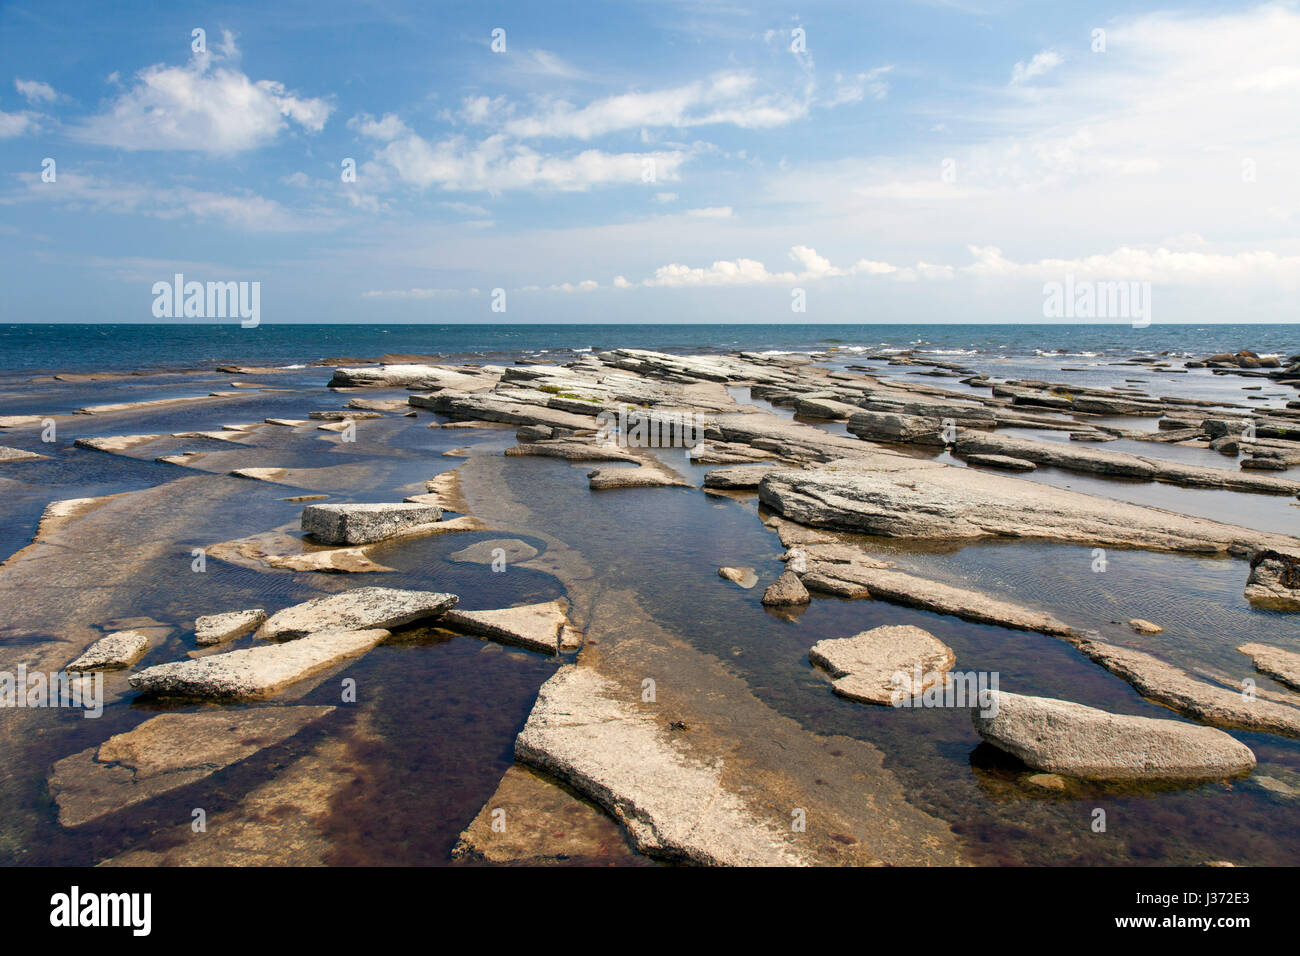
(711, 212)
(385, 130)
(725, 99)
(36, 92)
(246, 210)
(495, 164)
(17, 124)
(1040, 64)
(202, 107)
(414, 293)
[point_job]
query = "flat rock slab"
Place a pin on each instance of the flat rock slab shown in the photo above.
(571, 451)
(1178, 690)
(114, 652)
(355, 610)
(347, 524)
(879, 666)
(257, 672)
(741, 476)
(510, 550)
(929, 500)
(1005, 462)
(861, 580)
(585, 732)
(537, 627)
(215, 628)
(531, 819)
(646, 476)
(1283, 666)
(18, 454)
(1059, 736)
(164, 753)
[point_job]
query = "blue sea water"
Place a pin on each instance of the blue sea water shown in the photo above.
(37, 348)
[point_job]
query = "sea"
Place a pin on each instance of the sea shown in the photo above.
(37, 348)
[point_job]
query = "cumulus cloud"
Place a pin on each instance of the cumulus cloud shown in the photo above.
(201, 106)
(1040, 64)
(35, 92)
(496, 164)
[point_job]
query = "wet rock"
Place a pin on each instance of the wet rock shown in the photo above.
(114, 652)
(216, 628)
(510, 550)
(1047, 781)
(531, 819)
(1210, 703)
(358, 609)
(342, 415)
(164, 753)
(1005, 462)
(344, 524)
(1059, 736)
(745, 577)
(917, 499)
(893, 427)
(257, 672)
(17, 454)
(537, 627)
(878, 666)
(867, 580)
(1274, 580)
(585, 732)
(740, 476)
(785, 591)
(1055, 454)
(1144, 627)
(646, 476)
(1281, 665)
(571, 451)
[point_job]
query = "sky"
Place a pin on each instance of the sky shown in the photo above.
(658, 161)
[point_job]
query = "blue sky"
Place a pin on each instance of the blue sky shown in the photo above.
(651, 162)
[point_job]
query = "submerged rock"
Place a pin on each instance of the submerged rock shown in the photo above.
(584, 731)
(164, 753)
(366, 523)
(257, 672)
(216, 628)
(745, 577)
(1282, 666)
(1166, 684)
(863, 579)
(538, 627)
(785, 591)
(358, 609)
(878, 666)
(509, 550)
(1062, 737)
(1274, 580)
(114, 652)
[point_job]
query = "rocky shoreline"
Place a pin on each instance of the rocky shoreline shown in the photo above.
(842, 461)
